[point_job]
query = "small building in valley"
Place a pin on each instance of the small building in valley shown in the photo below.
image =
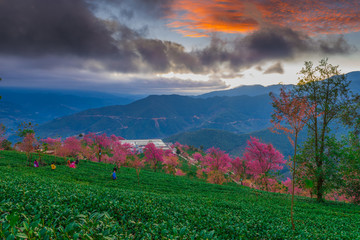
(139, 144)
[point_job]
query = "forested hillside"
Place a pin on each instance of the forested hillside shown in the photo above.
(165, 115)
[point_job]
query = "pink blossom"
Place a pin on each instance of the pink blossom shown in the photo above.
(215, 164)
(120, 153)
(216, 159)
(197, 157)
(28, 143)
(100, 144)
(288, 184)
(179, 172)
(170, 162)
(238, 167)
(262, 158)
(153, 155)
(71, 147)
(53, 144)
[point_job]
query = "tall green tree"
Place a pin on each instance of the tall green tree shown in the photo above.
(350, 168)
(351, 118)
(325, 86)
(309, 172)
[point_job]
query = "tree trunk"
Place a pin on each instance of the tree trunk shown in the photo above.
(293, 183)
(320, 178)
(320, 189)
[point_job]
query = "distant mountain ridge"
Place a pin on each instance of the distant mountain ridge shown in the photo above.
(251, 90)
(255, 90)
(159, 116)
(41, 105)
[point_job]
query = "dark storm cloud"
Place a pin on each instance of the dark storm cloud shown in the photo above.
(34, 27)
(268, 43)
(215, 54)
(165, 56)
(279, 43)
(265, 44)
(276, 68)
(335, 46)
(275, 42)
(71, 35)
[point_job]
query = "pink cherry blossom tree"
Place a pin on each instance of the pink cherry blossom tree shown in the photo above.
(120, 153)
(289, 185)
(114, 138)
(170, 162)
(28, 145)
(291, 113)
(71, 147)
(262, 160)
(153, 155)
(238, 168)
(216, 164)
(136, 163)
(52, 144)
(197, 158)
(100, 144)
(89, 153)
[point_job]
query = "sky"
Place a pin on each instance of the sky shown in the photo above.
(172, 46)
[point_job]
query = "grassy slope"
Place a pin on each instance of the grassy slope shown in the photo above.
(84, 202)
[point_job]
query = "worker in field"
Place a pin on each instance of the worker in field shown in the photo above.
(36, 164)
(53, 167)
(72, 165)
(113, 175)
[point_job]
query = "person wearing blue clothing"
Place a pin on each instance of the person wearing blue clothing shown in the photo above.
(113, 175)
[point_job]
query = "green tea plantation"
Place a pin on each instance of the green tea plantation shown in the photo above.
(84, 203)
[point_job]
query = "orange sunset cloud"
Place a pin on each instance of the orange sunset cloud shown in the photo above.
(199, 18)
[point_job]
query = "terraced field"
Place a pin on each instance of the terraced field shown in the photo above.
(84, 203)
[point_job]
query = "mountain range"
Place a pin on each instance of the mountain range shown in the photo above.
(255, 90)
(224, 119)
(252, 90)
(40, 105)
(165, 115)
